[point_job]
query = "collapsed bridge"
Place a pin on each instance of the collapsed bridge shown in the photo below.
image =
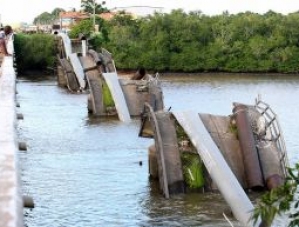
(230, 154)
(95, 73)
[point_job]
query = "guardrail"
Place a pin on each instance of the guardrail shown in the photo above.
(272, 123)
(11, 202)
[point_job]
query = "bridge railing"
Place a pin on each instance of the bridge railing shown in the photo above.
(11, 202)
(272, 123)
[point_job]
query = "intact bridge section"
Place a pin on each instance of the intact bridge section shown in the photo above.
(11, 201)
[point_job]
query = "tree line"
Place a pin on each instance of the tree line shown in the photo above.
(195, 42)
(88, 6)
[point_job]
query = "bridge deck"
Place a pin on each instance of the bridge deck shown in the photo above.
(216, 165)
(118, 96)
(11, 204)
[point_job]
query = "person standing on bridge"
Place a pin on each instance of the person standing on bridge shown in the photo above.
(9, 37)
(3, 49)
(6, 36)
(2, 33)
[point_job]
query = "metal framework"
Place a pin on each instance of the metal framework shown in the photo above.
(273, 125)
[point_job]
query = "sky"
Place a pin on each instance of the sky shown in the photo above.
(14, 11)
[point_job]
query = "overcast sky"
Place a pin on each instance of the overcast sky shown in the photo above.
(12, 11)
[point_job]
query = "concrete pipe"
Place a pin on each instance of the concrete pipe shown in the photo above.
(28, 201)
(22, 146)
(95, 56)
(270, 164)
(247, 143)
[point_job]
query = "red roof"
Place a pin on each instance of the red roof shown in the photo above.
(107, 16)
(74, 15)
(79, 15)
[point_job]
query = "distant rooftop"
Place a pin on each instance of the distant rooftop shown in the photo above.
(107, 16)
(74, 15)
(139, 10)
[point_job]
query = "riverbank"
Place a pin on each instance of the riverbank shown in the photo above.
(130, 73)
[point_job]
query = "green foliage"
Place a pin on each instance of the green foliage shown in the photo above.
(97, 39)
(192, 170)
(180, 133)
(90, 6)
(281, 200)
(56, 12)
(107, 97)
(48, 18)
(192, 164)
(34, 52)
(194, 42)
(122, 19)
(83, 27)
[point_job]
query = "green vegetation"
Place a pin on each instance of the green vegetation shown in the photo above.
(48, 18)
(181, 134)
(191, 162)
(91, 5)
(192, 170)
(107, 97)
(95, 39)
(84, 27)
(34, 52)
(194, 42)
(280, 201)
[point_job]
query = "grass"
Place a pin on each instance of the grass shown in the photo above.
(107, 97)
(193, 170)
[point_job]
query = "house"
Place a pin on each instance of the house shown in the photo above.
(68, 19)
(107, 16)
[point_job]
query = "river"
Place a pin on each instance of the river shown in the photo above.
(84, 171)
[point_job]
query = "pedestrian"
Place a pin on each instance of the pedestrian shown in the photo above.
(9, 37)
(2, 33)
(6, 38)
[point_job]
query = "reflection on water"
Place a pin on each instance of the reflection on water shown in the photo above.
(84, 171)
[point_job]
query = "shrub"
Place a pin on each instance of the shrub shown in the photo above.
(34, 51)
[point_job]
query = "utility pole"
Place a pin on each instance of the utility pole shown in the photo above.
(94, 15)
